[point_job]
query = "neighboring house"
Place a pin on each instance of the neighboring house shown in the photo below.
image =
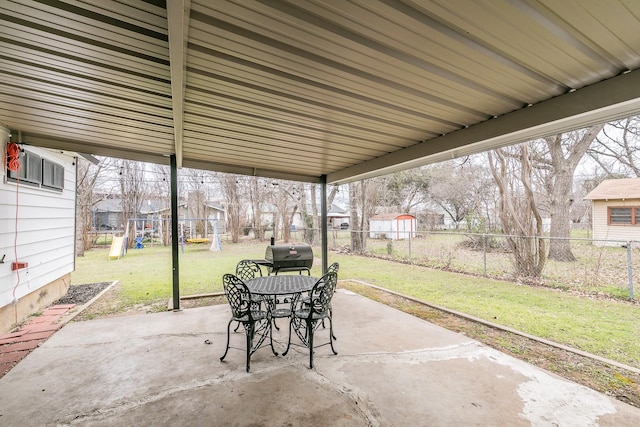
(216, 215)
(431, 220)
(336, 216)
(270, 213)
(615, 210)
(107, 214)
(37, 231)
(155, 214)
(392, 226)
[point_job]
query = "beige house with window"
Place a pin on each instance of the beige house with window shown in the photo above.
(615, 211)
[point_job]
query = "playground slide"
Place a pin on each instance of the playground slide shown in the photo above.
(116, 247)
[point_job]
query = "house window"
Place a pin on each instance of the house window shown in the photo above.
(624, 216)
(37, 171)
(52, 175)
(30, 169)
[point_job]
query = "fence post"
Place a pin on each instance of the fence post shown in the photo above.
(410, 245)
(484, 254)
(629, 269)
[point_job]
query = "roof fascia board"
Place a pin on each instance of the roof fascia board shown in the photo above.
(250, 171)
(97, 150)
(604, 101)
(145, 156)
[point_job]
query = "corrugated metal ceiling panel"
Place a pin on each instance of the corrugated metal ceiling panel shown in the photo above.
(300, 89)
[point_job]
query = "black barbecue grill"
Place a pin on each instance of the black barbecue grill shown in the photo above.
(288, 258)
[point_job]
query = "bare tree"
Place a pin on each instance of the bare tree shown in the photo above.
(314, 223)
(133, 191)
(555, 159)
(160, 191)
(357, 204)
(519, 215)
(197, 198)
(259, 190)
(617, 148)
(407, 189)
(286, 199)
(335, 189)
(566, 150)
(86, 198)
(364, 198)
(460, 188)
(230, 187)
(309, 218)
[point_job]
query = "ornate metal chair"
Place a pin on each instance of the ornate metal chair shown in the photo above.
(246, 270)
(305, 319)
(333, 268)
(248, 313)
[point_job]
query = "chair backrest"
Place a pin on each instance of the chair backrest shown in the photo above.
(322, 292)
(247, 269)
(333, 268)
(238, 295)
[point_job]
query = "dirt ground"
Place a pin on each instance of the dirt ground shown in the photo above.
(613, 381)
(110, 305)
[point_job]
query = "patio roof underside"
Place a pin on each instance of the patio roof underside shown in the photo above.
(301, 89)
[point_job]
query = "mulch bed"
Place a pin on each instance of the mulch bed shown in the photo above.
(81, 294)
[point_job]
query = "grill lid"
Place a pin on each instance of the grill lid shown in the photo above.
(299, 256)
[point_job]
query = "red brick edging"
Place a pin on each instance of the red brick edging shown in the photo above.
(15, 346)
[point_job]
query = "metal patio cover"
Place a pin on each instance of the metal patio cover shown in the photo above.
(304, 89)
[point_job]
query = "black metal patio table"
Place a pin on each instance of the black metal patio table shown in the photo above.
(274, 286)
(281, 285)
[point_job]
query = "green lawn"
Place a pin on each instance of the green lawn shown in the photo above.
(603, 327)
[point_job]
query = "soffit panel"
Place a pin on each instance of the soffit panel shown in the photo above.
(277, 92)
(354, 86)
(314, 143)
(316, 67)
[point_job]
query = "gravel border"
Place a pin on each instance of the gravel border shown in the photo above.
(81, 294)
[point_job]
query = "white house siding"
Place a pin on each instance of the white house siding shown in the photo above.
(612, 235)
(45, 238)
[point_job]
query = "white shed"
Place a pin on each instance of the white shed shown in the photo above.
(392, 226)
(615, 211)
(37, 229)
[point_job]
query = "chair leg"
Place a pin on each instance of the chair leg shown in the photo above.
(289, 341)
(310, 335)
(271, 306)
(331, 336)
(249, 342)
(275, 353)
(331, 326)
(228, 333)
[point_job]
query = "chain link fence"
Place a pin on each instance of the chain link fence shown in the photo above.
(602, 268)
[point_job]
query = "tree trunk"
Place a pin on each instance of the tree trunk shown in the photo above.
(560, 216)
(357, 236)
(561, 198)
(521, 221)
(256, 206)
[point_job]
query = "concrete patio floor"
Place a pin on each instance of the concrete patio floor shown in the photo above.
(392, 370)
